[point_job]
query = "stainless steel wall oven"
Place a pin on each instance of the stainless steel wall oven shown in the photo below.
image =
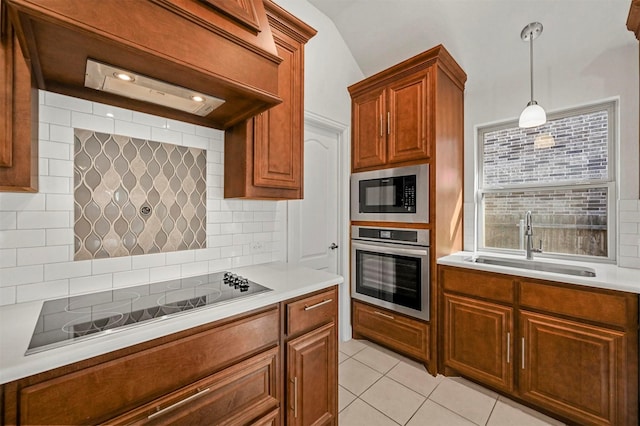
(390, 268)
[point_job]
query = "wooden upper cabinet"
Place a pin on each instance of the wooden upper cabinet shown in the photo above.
(407, 119)
(368, 129)
(18, 115)
(395, 112)
(264, 156)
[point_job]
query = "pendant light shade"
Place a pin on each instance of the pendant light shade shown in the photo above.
(533, 115)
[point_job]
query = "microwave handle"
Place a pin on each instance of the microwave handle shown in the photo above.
(390, 250)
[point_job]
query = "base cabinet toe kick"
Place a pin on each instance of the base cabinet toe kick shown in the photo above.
(567, 350)
(235, 371)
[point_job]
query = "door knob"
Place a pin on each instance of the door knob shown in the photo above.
(333, 246)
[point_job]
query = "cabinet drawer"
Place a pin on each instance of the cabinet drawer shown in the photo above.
(310, 312)
(477, 283)
(390, 329)
(97, 393)
(605, 307)
(240, 394)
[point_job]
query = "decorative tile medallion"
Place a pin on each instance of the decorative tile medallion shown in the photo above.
(134, 196)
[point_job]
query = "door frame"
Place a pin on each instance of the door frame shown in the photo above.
(341, 133)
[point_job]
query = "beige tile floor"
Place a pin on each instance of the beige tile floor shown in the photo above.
(378, 387)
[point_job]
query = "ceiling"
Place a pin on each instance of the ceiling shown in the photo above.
(482, 35)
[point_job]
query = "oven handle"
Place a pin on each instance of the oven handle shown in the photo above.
(391, 249)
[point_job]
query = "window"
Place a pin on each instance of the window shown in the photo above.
(563, 172)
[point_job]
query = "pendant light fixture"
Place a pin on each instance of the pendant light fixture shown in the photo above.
(533, 115)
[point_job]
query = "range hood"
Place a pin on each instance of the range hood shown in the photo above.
(207, 62)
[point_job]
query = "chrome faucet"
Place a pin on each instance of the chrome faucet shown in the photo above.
(528, 234)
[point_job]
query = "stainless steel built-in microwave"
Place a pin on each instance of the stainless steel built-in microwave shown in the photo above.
(398, 194)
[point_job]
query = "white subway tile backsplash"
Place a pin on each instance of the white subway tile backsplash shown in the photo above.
(55, 184)
(114, 264)
(244, 216)
(37, 248)
(53, 115)
(56, 202)
(67, 102)
(628, 250)
(219, 240)
(187, 129)
(43, 131)
(148, 260)
(231, 228)
(209, 133)
(630, 239)
(55, 271)
(109, 111)
(628, 228)
(148, 120)
(62, 134)
(7, 296)
(43, 290)
(219, 264)
(177, 257)
(61, 236)
(43, 220)
(96, 123)
(21, 202)
(42, 255)
(60, 168)
(166, 135)
(8, 258)
(90, 283)
(164, 273)
(56, 150)
(8, 220)
(133, 130)
(22, 238)
(207, 254)
(194, 268)
(21, 275)
(129, 278)
(630, 216)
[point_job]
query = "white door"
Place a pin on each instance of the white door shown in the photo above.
(313, 221)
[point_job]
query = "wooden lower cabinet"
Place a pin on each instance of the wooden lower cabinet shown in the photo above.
(568, 350)
(241, 394)
(577, 369)
(234, 371)
(478, 340)
(312, 360)
(398, 332)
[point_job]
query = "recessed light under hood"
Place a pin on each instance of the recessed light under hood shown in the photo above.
(129, 84)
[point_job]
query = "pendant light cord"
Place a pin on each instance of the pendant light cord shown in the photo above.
(531, 63)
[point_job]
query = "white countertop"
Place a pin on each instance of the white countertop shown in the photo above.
(607, 276)
(17, 322)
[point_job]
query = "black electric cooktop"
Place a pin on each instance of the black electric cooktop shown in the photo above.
(75, 318)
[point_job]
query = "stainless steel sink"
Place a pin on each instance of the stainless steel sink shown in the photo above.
(535, 265)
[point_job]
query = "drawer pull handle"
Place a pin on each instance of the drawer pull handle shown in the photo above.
(177, 404)
(295, 397)
(523, 353)
(317, 305)
(508, 348)
(383, 315)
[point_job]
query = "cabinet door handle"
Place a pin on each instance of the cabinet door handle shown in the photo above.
(381, 124)
(324, 302)
(523, 353)
(508, 348)
(383, 315)
(388, 123)
(177, 404)
(295, 397)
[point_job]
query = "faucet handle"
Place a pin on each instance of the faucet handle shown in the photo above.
(539, 250)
